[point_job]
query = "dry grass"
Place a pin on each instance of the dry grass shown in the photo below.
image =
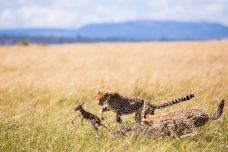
(39, 86)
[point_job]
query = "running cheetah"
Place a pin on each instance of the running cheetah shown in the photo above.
(181, 123)
(122, 105)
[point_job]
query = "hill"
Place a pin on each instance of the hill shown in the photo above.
(125, 31)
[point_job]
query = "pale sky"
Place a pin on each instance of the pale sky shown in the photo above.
(76, 13)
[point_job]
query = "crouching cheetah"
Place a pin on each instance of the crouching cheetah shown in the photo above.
(182, 123)
(93, 119)
(122, 105)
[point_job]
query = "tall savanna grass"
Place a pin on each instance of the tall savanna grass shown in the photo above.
(40, 85)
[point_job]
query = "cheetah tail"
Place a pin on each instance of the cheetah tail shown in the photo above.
(219, 112)
(174, 101)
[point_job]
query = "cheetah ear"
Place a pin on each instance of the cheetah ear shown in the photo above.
(116, 94)
(100, 92)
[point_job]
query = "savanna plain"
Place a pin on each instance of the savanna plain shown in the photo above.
(41, 84)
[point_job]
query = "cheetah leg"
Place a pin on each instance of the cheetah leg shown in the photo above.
(191, 126)
(72, 121)
(189, 135)
(172, 130)
(138, 117)
(102, 112)
(118, 118)
(194, 132)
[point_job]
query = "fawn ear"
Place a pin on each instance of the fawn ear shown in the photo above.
(100, 94)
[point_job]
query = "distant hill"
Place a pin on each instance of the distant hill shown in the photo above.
(125, 31)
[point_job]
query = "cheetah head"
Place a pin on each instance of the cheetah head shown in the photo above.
(102, 97)
(105, 96)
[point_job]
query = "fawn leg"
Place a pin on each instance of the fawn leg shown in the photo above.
(95, 128)
(72, 121)
(82, 121)
(104, 126)
(109, 132)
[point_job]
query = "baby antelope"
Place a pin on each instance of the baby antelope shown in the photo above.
(93, 119)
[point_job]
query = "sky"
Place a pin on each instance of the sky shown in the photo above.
(76, 13)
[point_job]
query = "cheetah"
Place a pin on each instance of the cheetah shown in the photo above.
(93, 119)
(182, 123)
(123, 105)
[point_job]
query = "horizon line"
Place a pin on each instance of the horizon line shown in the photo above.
(112, 22)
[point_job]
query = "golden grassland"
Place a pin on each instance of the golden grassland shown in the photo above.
(40, 85)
